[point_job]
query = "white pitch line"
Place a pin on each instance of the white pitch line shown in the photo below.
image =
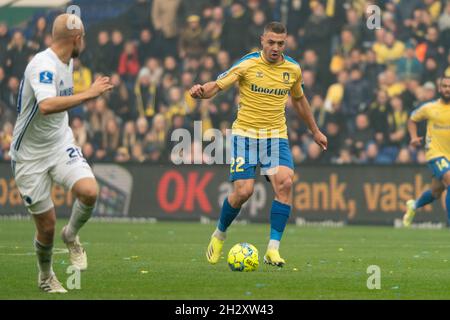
(55, 251)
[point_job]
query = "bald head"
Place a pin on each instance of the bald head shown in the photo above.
(68, 35)
(67, 26)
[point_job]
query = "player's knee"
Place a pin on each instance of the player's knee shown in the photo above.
(88, 195)
(243, 194)
(285, 186)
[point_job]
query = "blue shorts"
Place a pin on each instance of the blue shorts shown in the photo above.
(248, 153)
(439, 166)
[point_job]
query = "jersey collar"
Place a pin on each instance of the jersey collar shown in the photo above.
(55, 56)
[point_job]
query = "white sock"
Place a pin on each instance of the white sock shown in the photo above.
(44, 257)
(80, 215)
(273, 245)
(219, 234)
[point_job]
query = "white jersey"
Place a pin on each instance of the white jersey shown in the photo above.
(37, 136)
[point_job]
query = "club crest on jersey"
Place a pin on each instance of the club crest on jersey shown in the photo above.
(259, 74)
(46, 77)
(286, 77)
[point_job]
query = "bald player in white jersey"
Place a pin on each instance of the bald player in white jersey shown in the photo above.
(43, 149)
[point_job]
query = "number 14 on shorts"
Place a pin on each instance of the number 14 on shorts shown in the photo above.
(442, 164)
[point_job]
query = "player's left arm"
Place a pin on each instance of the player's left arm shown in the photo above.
(56, 104)
(302, 107)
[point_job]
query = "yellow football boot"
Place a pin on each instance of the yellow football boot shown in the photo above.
(214, 250)
(410, 213)
(273, 258)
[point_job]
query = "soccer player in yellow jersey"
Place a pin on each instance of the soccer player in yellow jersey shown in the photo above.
(437, 146)
(259, 134)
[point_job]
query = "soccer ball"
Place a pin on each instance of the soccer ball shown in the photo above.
(243, 257)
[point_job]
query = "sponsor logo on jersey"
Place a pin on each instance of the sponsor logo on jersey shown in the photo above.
(441, 127)
(46, 77)
(66, 92)
(274, 91)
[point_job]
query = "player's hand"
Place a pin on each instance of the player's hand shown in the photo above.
(100, 86)
(416, 142)
(321, 140)
(197, 91)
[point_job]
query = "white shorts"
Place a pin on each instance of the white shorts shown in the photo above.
(34, 179)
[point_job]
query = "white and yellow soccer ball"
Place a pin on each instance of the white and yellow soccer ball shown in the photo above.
(243, 257)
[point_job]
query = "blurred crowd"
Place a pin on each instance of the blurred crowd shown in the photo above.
(362, 82)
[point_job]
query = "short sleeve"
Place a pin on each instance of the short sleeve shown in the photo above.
(297, 88)
(229, 77)
(43, 81)
(420, 114)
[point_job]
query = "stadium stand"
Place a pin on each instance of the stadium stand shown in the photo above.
(361, 83)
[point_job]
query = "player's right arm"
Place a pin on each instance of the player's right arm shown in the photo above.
(57, 104)
(417, 116)
(42, 78)
(223, 82)
(415, 139)
(206, 91)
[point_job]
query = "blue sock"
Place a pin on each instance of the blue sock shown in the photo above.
(447, 205)
(227, 215)
(424, 199)
(279, 215)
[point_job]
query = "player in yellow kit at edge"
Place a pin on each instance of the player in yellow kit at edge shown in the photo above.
(437, 146)
(259, 134)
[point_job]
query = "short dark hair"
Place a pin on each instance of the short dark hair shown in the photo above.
(443, 77)
(275, 27)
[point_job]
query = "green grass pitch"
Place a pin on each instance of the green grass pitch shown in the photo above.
(166, 261)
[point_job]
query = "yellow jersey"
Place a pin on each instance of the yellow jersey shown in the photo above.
(437, 115)
(82, 80)
(264, 88)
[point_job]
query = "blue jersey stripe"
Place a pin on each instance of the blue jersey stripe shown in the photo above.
(422, 105)
(30, 118)
(19, 99)
(287, 58)
(246, 57)
(13, 167)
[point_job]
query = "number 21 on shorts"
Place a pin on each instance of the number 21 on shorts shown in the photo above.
(74, 153)
(236, 164)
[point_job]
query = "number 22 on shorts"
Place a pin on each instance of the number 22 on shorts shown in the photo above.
(236, 164)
